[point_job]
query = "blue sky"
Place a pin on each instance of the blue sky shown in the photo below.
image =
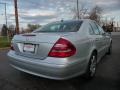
(45, 11)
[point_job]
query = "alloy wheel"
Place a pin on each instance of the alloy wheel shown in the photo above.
(93, 65)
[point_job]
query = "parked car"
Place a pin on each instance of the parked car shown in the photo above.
(61, 50)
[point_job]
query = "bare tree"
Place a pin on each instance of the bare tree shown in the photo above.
(95, 14)
(32, 27)
(81, 15)
(80, 11)
(108, 24)
(4, 30)
(11, 30)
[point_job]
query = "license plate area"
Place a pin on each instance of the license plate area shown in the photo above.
(30, 48)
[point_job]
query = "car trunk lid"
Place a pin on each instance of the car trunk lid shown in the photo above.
(35, 45)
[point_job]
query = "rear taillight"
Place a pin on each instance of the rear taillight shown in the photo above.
(11, 47)
(62, 48)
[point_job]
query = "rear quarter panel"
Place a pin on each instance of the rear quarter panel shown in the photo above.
(82, 44)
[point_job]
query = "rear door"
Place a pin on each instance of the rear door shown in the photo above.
(98, 38)
(106, 38)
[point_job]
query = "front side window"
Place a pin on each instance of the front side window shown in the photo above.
(100, 29)
(72, 26)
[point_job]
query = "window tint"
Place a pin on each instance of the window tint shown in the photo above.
(95, 28)
(67, 26)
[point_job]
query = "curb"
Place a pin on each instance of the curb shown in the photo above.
(5, 48)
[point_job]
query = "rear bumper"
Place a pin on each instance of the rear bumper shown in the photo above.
(47, 70)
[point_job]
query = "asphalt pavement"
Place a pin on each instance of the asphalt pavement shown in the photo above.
(107, 75)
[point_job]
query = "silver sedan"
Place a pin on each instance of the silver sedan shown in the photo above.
(61, 50)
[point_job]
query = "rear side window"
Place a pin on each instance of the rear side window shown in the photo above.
(91, 32)
(95, 29)
(68, 26)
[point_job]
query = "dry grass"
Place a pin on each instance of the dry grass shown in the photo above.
(4, 42)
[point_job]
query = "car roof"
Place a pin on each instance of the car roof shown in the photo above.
(83, 20)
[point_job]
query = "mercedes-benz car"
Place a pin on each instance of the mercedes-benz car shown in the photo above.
(61, 50)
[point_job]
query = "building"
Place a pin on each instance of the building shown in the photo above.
(116, 29)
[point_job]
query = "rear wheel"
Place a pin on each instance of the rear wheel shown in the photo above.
(92, 66)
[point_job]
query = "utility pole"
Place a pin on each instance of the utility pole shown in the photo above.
(78, 10)
(5, 14)
(6, 23)
(16, 16)
(6, 20)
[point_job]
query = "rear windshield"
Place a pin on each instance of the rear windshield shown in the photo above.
(61, 27)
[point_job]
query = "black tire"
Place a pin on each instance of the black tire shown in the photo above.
(91, 70)
(109, 50)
